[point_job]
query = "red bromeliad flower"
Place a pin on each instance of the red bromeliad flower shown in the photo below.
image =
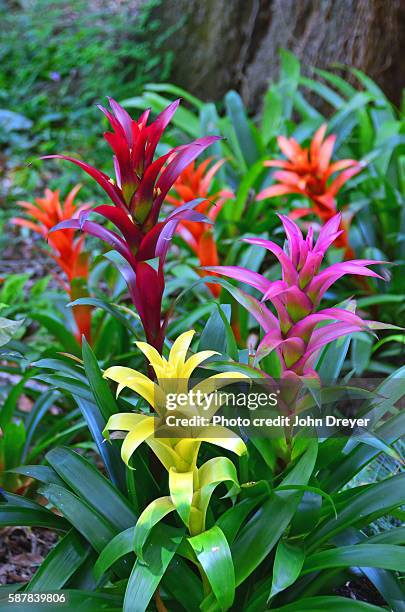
(307, 171)
(67, 251)
(294, 331)
(195, 182)
(138, 191)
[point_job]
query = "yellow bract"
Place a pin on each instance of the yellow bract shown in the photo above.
(190, 487)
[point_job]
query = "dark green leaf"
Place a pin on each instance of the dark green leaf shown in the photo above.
(60, 564)
(145, 576)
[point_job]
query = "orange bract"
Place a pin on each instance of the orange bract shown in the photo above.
(307, 171)
(194, 182)
(67, 251)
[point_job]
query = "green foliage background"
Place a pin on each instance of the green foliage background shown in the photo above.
(55, 69)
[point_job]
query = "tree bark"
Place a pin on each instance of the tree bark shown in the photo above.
(233, 44)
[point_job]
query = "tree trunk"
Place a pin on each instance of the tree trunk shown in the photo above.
(233, 44)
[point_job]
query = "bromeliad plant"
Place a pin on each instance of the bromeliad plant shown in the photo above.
(194, 183)
(138, 191)
(190, 486)
(307, 171)
(294, 334)
(294, 527)
(68, 251)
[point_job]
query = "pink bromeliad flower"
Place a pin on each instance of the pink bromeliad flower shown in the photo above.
(294, 332)
(137, 192)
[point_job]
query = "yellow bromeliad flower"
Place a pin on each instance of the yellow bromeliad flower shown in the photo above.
(190, 486)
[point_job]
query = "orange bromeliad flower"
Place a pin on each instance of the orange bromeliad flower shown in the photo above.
(67, 251)
(307, 171)
(195, 182)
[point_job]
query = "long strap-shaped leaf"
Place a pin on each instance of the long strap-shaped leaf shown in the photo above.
(265, 528)
(329, 603)
(122, 544)
(386, 556)
(61, 563)
(85, 480)
(181, 493)
(152, 515)
(374, 501)
(287, 566)
(213, 552)
(146, 574)
(210, 475)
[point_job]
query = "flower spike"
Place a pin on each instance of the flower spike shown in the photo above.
(137, 193)
(67, 251)
(309, 172)
(190, 486)
(295, 335)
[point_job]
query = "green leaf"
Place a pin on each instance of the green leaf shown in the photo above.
(236, 208)
(310, 489)
(183, 118)
(369, 84)
(252, 304)
(289, 79)
(231, 521)
(307, 112)
(38, 411)
(67, 384)
(332, 358)
(338, 82)
(391, 536)
(213, 552)
(188, 591)
(330, 603)
(146, 575)
(13, 443)
(99, 386)
(58, 329)
(287, 566)
(7, 329)
(380, 299)
(393, 338)
(108, 452)
(113, 309)
(375, 500)
(324, 91)
(181, 492)
(359, 100)
(237, 113)
(122, 544)
(176, 91)
(267, 525)
(29, 517)
(87, 482)
(10, 402)
(209, 125)
(272, 114)
(361, 350)
(42, 473)
(386, 556)
(152, 515)
(92, 525)
(217, 334)
(392, 389)
(60, 564)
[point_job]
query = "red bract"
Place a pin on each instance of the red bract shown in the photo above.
(140, 186)
(67, 251)
(308, 171)
(294, 331)
(195, 182)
